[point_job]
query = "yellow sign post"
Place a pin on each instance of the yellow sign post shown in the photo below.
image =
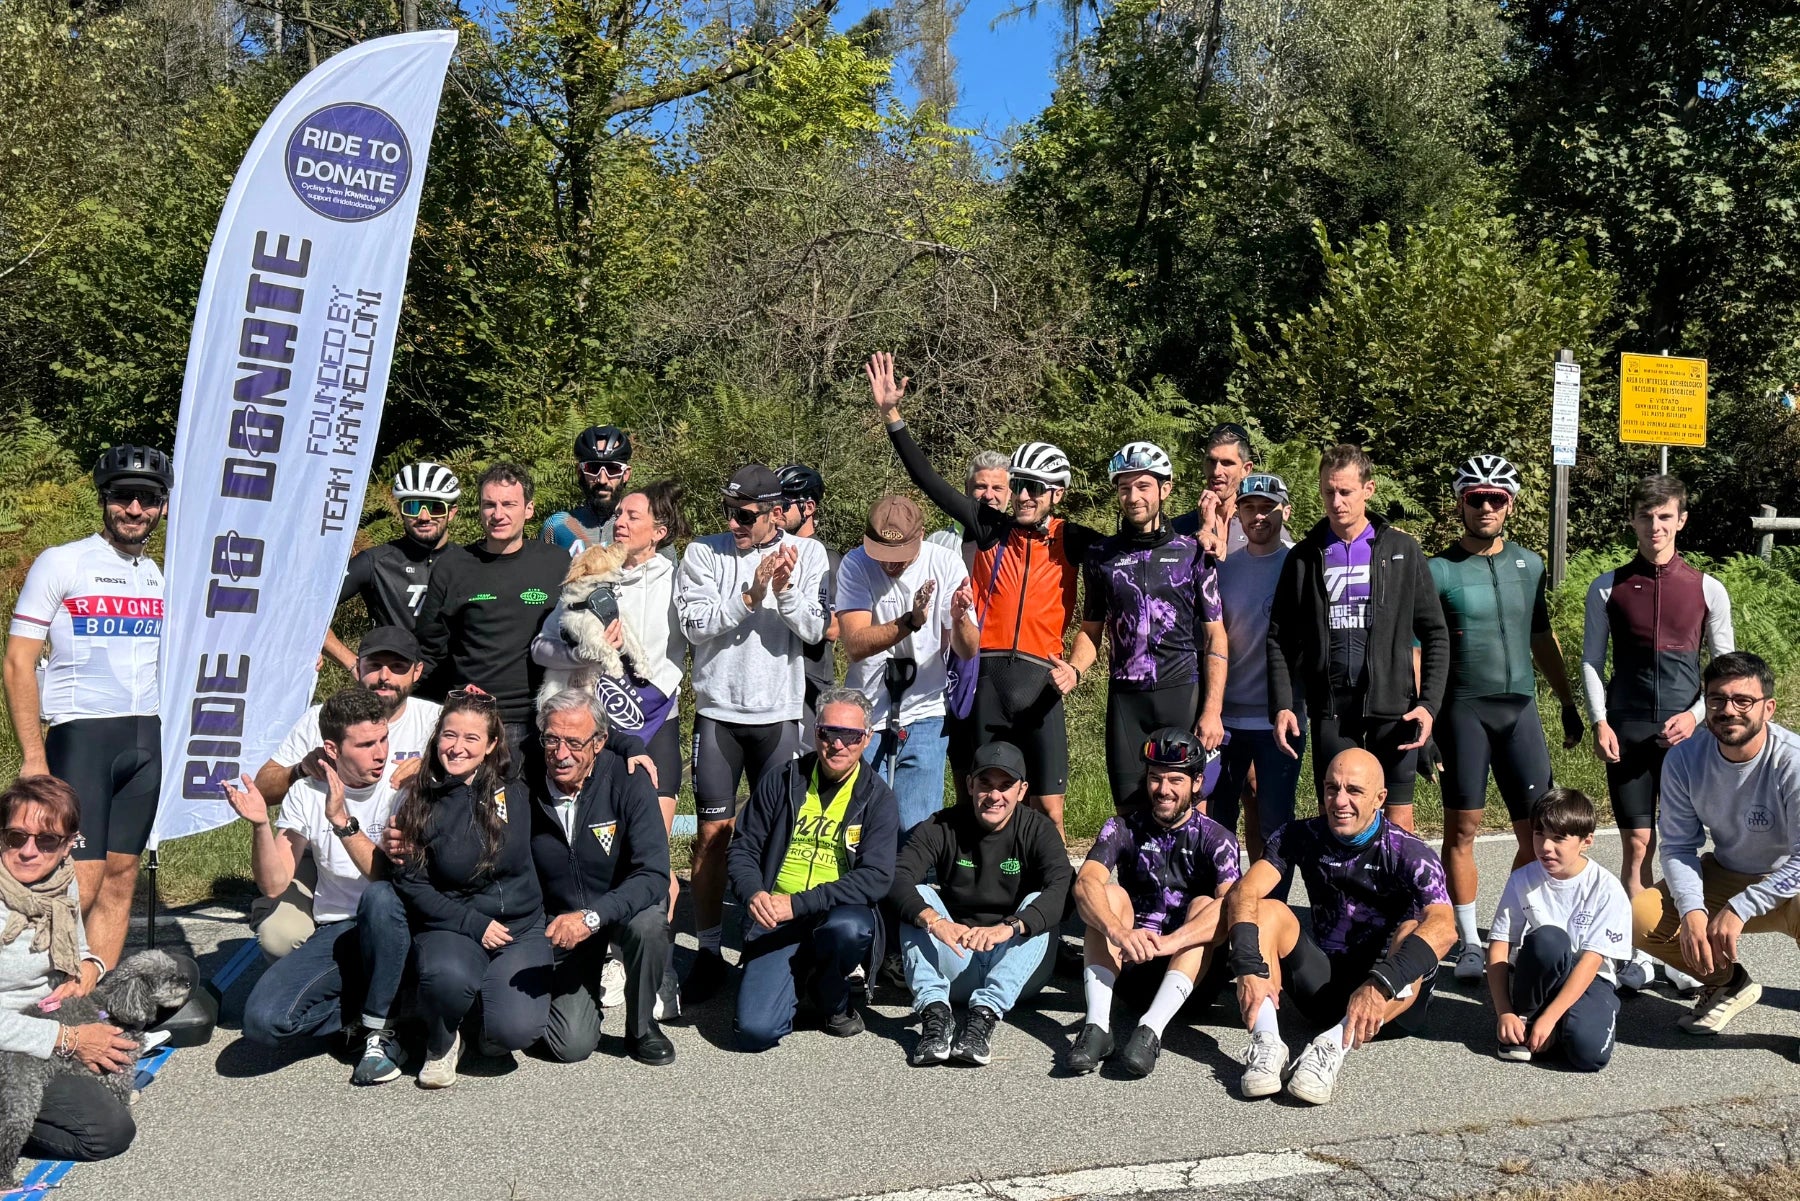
(1662, 399)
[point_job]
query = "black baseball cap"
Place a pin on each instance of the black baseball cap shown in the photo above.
(395, 640)
(753, 485)
(1003, 755)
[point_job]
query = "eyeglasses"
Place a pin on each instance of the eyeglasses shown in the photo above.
(841, 735)
(1029, 487)
(555, 742)
(1718, 702)
(47, 844)
(1486, 500)
(470, 694)
(147, 498)
(737, 516)
(604, 470)
(415, 506)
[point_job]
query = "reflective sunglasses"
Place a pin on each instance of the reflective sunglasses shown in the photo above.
(737, 516)
(1029, 487)
(416, 506)
(47, 844)
(1486, 500)
(472, 695)
(148, 498)
(1171, 752)
(841, 735)
(602, 469)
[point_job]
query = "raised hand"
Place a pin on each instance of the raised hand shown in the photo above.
(888, 394)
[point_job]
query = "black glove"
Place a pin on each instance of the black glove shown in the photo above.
(1573, 727)
(1431, 761)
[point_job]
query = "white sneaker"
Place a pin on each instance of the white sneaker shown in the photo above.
(1471, 965)
(1264, 1061)
(1682, 983)
(441, 1072)
(1315, 1074)
(612, 984)
(153, 1042)
(1722, 1002)
(668, 999)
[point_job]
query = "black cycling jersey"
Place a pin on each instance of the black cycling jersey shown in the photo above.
(391, 579)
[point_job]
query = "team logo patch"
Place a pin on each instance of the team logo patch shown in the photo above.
(1009, 867)
(500, 802)
(483, 596)
(1759, 818)
(852, 836)
(968, 863)
(603, 833)
(535, 596)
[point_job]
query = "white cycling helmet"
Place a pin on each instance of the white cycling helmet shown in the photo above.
(1042, 462)
(1487, 471)
(1141, 456)
(430, 481)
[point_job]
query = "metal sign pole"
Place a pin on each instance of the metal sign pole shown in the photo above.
(1665, 461)
(1568, 391)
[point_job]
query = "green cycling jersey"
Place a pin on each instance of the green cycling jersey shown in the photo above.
(1495, 605)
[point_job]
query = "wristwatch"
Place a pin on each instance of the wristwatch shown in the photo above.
(1018, 924)
(590, 919)
(348, 828)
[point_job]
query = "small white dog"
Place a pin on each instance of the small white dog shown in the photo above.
(587, 605)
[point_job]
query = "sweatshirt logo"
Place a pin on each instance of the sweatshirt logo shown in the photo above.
(852, 836)
(968, 863)
(534, 596)
(603, 833)
(1009, 867)
(1759, 818)
(482, 596)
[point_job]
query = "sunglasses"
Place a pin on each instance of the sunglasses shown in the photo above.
(603, 470)
(737, 516)
(414, 506)
(1167, 752)
(1486, 500)
(147, 498)
(473, 696)
(841, 735)
(1029, 487)
(47, 844)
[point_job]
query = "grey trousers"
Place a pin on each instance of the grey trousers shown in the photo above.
(574, 1029)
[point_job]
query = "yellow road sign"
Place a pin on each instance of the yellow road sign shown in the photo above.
(1662, 399)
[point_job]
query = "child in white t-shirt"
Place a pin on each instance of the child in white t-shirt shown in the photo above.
(1562, 921)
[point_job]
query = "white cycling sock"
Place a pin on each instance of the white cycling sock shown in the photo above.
(1466, 928)
(1170, 996)
(1098, 983)
(1333, 1037)
(1264, 1022)
(712, 938)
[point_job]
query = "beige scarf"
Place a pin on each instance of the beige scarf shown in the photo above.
(48, 910)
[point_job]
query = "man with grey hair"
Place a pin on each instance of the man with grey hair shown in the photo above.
(987, 483)
(812, 856)
(602, 858)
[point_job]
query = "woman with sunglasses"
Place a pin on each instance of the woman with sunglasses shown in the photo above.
(41, 936)
(392, 578)
(472, 891)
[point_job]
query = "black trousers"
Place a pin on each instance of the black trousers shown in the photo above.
(575, 1013)
(79, 1120)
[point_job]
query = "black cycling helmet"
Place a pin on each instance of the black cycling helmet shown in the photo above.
(800, 482)
(128, 464)
(603, 444)
(1174, 747)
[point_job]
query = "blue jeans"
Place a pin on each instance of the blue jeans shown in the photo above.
(827, 947)
(345, 968)
(998, 979)
(918, 774)
(1277, 779)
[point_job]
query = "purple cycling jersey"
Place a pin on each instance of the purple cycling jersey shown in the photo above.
(1359, 895)
(1162, 869)
(1347, 572)
(1153, 591)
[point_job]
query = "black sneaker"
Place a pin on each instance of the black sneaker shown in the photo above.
(705, 978)
(935, 1030)
(978, 1029)
(1138, 1056)
(847, 1024)
(893, 974)
(1090, 1047)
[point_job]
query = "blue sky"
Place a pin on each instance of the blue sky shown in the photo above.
(1005, 73)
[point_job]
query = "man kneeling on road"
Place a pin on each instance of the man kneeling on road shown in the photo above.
(982, 933)
(1736, 782)
(1381, 920)
(602, 858)
(812, 855)
(357, 954)
(1156, 927)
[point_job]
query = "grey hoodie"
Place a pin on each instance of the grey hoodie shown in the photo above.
(749, 665)
(1751, 810)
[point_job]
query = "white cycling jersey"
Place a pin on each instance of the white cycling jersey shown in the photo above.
(102, 613)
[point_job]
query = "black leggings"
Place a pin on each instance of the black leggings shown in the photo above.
(114, 764)
(1381, 738)
(1320, 985)
(1131, 717)
(726, 752)
(512, 983)
(665, 751)
(1635, 781)
(1504, 732)
(1017, 701)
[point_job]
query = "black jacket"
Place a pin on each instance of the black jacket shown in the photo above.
(1403, 605)
(766, 826)
(618, 861)
(439, 882)
(981, 875)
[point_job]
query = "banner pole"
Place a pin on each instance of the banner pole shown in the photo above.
(150, 929)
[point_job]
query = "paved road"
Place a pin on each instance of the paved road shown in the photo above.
(822, 1118)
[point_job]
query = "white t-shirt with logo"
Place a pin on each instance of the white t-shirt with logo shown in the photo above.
(340, 884)
(407, 735)
(862, 584)
(1591, 905)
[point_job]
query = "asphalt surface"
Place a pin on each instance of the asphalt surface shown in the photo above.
(824, 1118)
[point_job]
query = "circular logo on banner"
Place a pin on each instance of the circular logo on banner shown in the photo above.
(349, 162)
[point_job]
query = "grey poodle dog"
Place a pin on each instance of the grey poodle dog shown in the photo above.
(129, 997)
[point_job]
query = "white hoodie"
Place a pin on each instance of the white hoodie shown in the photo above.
(749, 665)
(646, 595)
